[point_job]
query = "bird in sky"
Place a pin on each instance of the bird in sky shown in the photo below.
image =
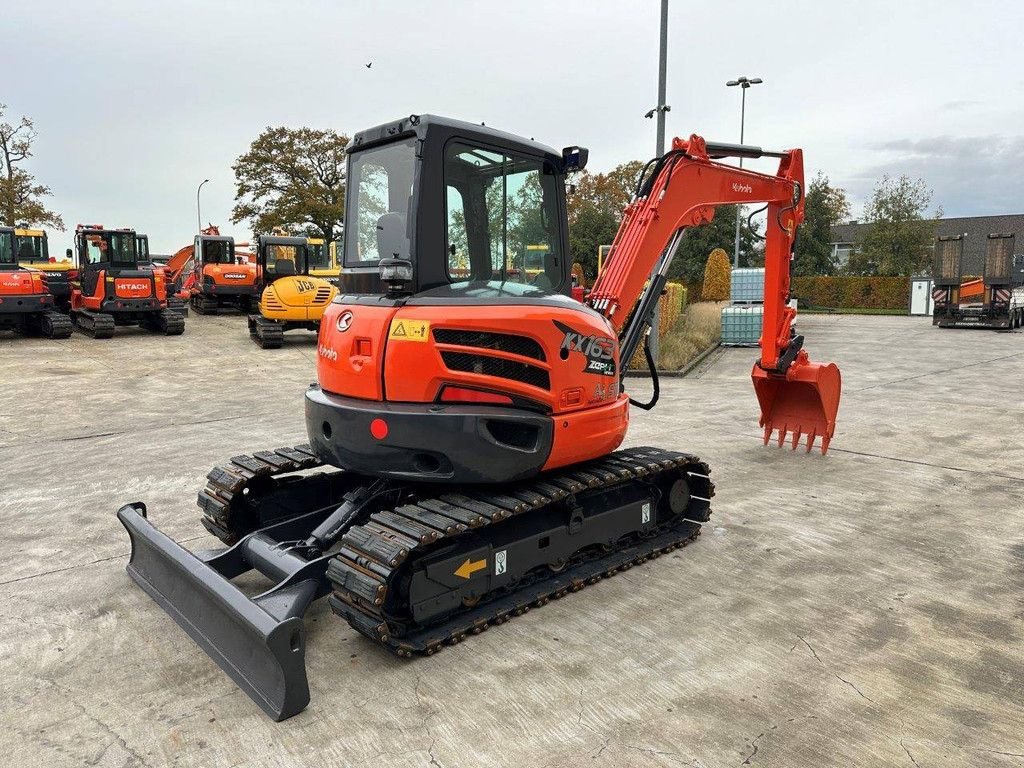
(369, 65)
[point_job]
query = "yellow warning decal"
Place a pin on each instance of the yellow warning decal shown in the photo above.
(410, 330)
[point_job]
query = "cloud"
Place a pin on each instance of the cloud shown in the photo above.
(956, 106)
(970, 175)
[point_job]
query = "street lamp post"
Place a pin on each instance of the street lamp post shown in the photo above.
(660, 111)
(199, 212)
(744, 83)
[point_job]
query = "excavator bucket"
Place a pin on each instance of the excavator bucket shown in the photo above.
(802, 403)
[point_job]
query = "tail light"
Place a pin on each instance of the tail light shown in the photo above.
(464, 395)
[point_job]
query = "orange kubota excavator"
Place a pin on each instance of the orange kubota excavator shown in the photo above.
(469, 410)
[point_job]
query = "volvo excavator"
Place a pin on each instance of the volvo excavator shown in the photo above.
(463, 463)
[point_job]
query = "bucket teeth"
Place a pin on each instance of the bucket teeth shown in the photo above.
(795, 435)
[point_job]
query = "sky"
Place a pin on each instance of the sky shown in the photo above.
(136, 102)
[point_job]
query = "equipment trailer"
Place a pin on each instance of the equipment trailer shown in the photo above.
(999, 305)
(471, 425)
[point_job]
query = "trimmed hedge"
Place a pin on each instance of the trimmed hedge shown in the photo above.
(717, 274)
(842, 292)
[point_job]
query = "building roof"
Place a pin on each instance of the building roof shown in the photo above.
(974, 228)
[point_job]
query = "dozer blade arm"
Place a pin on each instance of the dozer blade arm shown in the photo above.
(260, 643)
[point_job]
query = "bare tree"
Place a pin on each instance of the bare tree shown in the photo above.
(21, 198)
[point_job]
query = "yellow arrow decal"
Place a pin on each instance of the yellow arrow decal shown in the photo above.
(468, 568)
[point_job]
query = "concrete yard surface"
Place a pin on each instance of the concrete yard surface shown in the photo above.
(865, 608)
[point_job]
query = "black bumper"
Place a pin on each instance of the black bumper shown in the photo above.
(115, 306)
(428, 442)
(19, 305)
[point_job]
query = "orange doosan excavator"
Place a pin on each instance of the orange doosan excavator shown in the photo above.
(212, 274)
(466, 424)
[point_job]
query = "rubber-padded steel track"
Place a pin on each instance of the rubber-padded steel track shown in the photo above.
(56, 326)
(251, 491)
(96, 324)
(269, 334)
(370, 572)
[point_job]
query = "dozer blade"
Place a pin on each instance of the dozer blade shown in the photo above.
(262, 652)
(803, 402)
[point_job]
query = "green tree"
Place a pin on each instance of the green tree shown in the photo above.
(293, 178)
(21, 198)
(595, 210)
(899, 239)
(824, 207)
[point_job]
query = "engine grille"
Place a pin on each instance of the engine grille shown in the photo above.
(322, 295)
(502, 342)
(498, 367)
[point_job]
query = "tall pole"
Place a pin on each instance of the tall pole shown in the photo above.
(662, 76)
(662, 108)
(744, 83)
(739, 208)
(199, 212)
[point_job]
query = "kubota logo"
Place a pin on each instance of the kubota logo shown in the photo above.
(344, 321)
(327, 352)
(234, 276)
(745, 188)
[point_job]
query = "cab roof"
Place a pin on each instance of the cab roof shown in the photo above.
(421, 125)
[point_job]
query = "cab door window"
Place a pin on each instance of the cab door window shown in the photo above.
(502, 216)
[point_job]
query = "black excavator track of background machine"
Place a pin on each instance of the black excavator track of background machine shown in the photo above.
(380, 560)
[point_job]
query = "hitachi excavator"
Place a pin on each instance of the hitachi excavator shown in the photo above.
(465, 430)
(115, 288)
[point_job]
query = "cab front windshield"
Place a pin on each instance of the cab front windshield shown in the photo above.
(31, 248)
(381, 179)
(283, 260)
(112, 247)
(218, 252)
